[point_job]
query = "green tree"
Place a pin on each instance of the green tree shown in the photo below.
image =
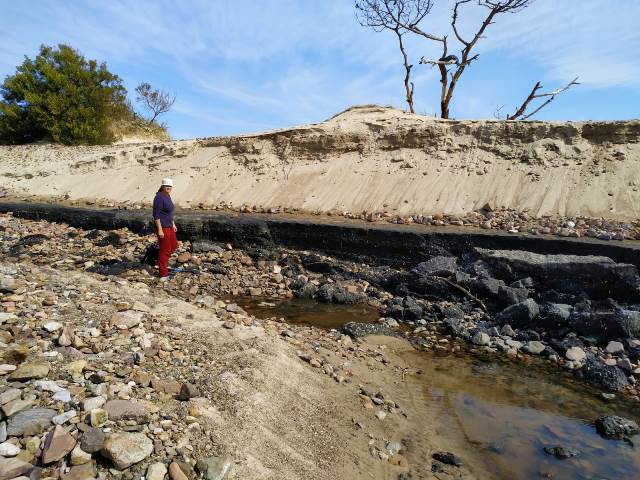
(61, 96)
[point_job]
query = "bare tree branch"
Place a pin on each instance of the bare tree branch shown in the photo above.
(154, 100)
(446, 61)
(520, 113)
(395, 15)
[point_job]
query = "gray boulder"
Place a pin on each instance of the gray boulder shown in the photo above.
(612, 426)
(608, 377)
(519, 315)
(620, 323)
(441, 266)
(598, 276)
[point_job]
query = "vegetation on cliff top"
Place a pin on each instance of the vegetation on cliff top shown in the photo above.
(62, 97)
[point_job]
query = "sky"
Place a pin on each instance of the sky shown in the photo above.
(239, 66)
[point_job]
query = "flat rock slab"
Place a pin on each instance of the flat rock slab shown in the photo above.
(57, 445)
(27, 371)
(597, 275)
(126, 319)
(34, 420)
(126, 410)
(13, 467)
(125, 449)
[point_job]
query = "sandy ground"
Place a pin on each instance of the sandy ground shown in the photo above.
(367, 158)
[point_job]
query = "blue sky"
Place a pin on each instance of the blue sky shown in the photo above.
(249, 65)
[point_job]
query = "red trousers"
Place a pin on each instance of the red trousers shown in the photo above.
(168, 245)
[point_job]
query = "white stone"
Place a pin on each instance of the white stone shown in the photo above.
(79, 456)
(48, 386)
(614, 347)
(481, 338)
(92, 403)
(64, 417)
(6, 368)
(8, 449)
(575, 353)
(63, 396)
(52, 326)
(156, 471)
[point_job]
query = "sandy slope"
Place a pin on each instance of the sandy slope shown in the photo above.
(366, 158)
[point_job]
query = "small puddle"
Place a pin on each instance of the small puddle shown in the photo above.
(509, 413)
(308, 312)
(504, 411)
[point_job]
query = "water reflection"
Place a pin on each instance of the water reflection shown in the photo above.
(309, 312)
(510, 413)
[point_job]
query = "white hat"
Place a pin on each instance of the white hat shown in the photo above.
(166, 182)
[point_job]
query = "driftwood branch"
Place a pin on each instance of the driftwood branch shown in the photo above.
(521, 111)
(463, 290)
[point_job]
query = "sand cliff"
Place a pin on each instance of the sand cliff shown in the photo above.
(367, 158)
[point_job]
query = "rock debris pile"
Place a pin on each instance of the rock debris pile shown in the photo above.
(98, 378)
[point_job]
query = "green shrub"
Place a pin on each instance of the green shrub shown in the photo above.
(63, 97)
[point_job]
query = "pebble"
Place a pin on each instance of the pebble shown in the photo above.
(214, 468)
(176, 473)
(9, 449)
(156, 471)
(481, 338)
(79, 456)
(534, 347)
(92, 440)
(575, 354)
(614, 347)
(64, 417)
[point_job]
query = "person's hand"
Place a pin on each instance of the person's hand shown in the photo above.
(175, 229)
(160, 234)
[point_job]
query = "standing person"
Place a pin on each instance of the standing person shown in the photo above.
(165, 226)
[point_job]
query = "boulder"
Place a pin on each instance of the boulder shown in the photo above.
(511, 296)
(126, 410)
(554, 316)
(34, 420)
(608, 377)
(620, 323)
(30, 370)
(447, 458)
(125, 449)
(612, 426)
(13, 468)
(440, 266)
(203, 246)
(57, 445)
(92, 440)
(156, 471)
(519, 315)
(127, 319)
(599, 277)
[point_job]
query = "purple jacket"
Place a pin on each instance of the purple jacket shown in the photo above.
(163, 209)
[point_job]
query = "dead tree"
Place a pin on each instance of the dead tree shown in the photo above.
(451, 66)
(521, 113)
(154, 100)
(398, 16)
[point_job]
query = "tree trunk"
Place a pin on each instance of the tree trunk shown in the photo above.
(408, 85)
